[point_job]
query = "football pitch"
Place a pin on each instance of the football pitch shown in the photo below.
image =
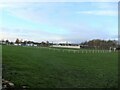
(50, 68)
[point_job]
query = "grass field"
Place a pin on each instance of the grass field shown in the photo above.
(44, 68)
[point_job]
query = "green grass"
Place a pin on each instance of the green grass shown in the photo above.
(44, 68)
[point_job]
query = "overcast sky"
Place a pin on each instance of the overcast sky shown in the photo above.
(59, 21)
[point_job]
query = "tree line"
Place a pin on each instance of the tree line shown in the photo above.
(23, 43)
(99, 44)
(91, 44)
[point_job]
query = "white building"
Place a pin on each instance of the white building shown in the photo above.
(60, 46)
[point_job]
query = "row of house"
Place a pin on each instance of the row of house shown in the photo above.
(20, 44)
(61, 45)
(30, 43)
(25, 44)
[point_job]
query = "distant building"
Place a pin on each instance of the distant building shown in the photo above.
(29, 44)
(15, 44)
(66, 46)
(35, 45)
(3, 42)
(0, 42)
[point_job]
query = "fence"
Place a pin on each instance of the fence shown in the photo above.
(77, 51)
(82, 51)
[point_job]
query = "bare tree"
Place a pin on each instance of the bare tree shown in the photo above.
(7, 42)
(17, 41)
